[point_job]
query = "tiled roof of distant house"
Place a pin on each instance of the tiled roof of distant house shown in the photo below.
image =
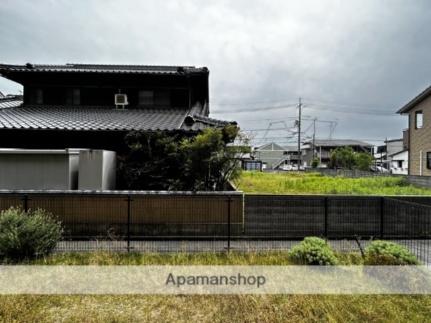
(338, 143)
(103, 118)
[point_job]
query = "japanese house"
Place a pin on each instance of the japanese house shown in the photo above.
(95, 106)
(322, 148)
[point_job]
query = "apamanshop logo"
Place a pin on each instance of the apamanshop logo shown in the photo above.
(215, 280)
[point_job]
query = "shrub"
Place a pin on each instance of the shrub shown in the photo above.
(315, 162)
(27, 234)
(381, 252)
(313, 251)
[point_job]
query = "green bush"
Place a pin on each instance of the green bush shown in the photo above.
(27, 234)
(313, 251)
(315, 162)
(381, 252)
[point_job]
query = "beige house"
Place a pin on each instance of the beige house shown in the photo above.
(419, 133)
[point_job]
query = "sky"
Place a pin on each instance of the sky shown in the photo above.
(352, 63)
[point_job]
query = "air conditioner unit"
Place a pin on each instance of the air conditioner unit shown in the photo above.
(121, 99)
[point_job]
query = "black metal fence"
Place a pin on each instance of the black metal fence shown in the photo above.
(186, 221)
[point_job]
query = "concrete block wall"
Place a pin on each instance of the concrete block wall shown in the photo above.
(422, 181)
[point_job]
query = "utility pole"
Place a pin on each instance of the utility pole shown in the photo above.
(299, 133)
(314, 137)
(386, 156)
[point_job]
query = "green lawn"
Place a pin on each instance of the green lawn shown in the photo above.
(214, 308)
(313, 183)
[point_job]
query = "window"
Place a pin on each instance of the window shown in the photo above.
(36, 96)
(429, 160)
(73, 96)
(162, 98)
(419, 119)
(252, 165)
(400, 164)
(146, 97)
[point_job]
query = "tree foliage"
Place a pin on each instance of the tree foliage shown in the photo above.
(315, 162)
(160, 161)
(347, 158)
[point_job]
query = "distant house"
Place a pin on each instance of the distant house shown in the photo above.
(419, 133)
(398, 162)
(385, 154)
(275, 156)
(322, 148)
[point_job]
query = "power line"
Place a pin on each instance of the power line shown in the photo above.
(257, 109)
(314, 104)
(223, 103)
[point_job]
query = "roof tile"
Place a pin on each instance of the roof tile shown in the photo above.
(101, 118)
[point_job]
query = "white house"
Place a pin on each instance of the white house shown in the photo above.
(399, 162)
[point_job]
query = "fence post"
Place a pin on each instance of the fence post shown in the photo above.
(326, 217)
(229, 200)
(129, 200)
(25, 202)
(382, 215)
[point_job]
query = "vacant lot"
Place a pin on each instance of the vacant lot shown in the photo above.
(241, 308)
(313, 183)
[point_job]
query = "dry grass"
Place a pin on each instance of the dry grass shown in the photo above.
(240, 308)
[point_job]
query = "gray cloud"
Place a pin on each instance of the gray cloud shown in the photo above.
(366, 56)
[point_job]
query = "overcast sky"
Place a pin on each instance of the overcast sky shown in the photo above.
(354, 62)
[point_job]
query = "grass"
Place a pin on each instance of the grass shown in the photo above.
(314, 183)
(214, 308)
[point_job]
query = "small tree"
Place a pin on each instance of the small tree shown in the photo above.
(158, 160)
(347, 158)
(315, 162)
(342, 157)
(363, 161)
(209, 161)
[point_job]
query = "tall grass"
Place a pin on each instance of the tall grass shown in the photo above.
(314, 183)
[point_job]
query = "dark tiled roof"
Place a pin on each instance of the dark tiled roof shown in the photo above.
(338, 143)
(100, 68)
(10, 101)
(419, 98)
(202, 122)
(101, 118)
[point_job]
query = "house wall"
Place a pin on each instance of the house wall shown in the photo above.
(394, 146)
(322, 153)
(420, 139)
(270, 157)
(99, 89)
